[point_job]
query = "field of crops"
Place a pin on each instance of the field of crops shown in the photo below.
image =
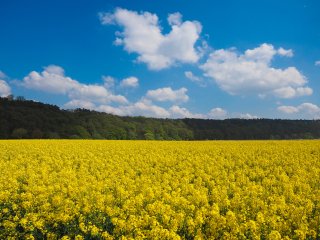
(82, 189)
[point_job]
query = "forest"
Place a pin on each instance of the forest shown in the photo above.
(26, 119)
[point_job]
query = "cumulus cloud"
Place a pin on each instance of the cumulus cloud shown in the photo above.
(95, 93)
(98, 97)
(288, 109)
(111, 110)
(5, 89)
(180, 112)
(317, 63)
(76, 103)
(290, 92)
(53, 80)
(217, 113)
(175, 19)
(285, 52)
(109, 82)
(192, 77)
(141, 108)
(247, 116)
(130, 82)
(252, 73)
(143, 35)
(145, 107)
(168, 94)
(308, 110)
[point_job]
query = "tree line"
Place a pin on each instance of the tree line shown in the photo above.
(25, 119)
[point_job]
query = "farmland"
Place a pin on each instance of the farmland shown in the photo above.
(97, 189)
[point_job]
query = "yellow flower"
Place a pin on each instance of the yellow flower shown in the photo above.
(94, 231)
(79, 237)
(274, 235)
(160, 190)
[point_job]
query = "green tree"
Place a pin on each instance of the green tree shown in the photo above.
(37, 133)
(52, 135)
(149, 135)
(19, 133)
(82, 132)
(20, 98)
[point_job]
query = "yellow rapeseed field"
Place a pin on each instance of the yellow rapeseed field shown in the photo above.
(86, 189)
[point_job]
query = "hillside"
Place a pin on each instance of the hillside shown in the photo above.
(28, 119)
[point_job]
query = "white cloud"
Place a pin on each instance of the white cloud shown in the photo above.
(262, 54)
(175, 19)
(308, 110)
(167, 94)
(285, 52)
(317, 63)
(194, 78)
(247, 116)
(191, 76)
(118, 99)
(140, 108)
(143, 35)
(180, 112)
(109, 82)
(130, 82)
(5, 89)
(145, 107)
(251, 73)
(217, 113)
(53, 80)
(214, 113)
(290, 92)
(288, 109)
(76, 103)
(95, 93)
(112, 110)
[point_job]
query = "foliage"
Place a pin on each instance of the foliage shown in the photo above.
(46, 121)
(19, 133)
(86, 189)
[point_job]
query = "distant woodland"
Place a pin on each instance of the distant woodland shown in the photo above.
(24, 119)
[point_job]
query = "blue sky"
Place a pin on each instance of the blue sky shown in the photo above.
(175, 59)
